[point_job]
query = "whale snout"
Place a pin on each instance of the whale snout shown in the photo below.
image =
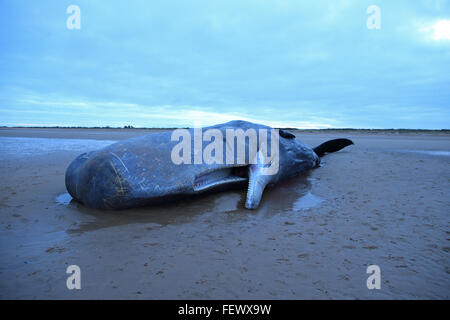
(95, 180)
(72, 174)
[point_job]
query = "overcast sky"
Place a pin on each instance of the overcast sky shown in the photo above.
(307, 64)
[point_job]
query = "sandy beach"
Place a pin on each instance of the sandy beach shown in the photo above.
(384, 201)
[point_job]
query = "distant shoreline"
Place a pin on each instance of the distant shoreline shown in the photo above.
(362, 130)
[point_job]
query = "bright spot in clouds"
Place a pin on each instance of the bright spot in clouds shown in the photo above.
(440, 30)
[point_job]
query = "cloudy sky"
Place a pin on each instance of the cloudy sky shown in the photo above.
(287, 63)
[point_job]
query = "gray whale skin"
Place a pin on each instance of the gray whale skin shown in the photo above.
(139, 171)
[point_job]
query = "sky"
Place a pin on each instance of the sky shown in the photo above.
(284, 63)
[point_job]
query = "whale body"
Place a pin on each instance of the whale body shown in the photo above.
(141, 171)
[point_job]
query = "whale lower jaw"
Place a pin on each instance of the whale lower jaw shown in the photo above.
(252, 174)
(214, 184)
(220, 177)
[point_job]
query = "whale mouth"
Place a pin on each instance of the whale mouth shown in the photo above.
(222, 177)
(254, 173)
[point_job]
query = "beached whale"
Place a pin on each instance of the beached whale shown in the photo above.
(162, 166)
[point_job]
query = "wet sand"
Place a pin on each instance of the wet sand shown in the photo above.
(383, 201)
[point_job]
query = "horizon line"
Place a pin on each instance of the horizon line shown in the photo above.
(171, 128)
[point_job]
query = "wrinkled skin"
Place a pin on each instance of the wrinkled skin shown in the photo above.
(139, 171)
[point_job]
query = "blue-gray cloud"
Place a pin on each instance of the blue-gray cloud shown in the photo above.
(175, 63)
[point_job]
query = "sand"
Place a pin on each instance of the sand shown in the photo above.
(384, 201)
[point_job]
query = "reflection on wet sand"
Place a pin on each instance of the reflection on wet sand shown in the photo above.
(287, 198)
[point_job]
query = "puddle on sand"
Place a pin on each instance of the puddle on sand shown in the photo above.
(64, 199)
(19, 147)
(307, 201)
(441, 153)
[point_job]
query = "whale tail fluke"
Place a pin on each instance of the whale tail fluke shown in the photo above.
(332, 146)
